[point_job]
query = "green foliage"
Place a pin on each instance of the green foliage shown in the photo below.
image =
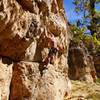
(91, 17)
(81, 5)
(98, 80)
(79, 36)
(96, 41)
(90, 22)
(77, 33)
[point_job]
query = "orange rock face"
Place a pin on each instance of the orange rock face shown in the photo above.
(23, 47)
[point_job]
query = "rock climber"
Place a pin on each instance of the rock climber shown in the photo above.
(54, 49)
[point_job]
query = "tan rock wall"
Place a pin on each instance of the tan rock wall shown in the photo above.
(81, 64)
(24, 25)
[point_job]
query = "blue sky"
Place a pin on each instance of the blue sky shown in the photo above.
(69, 8)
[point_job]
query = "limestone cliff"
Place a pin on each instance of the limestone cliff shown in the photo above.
(96, 58)
(25, 26)
(81, 63)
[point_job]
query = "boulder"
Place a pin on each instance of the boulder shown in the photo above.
(81, 64)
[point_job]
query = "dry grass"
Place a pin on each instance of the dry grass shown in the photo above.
(85, 91)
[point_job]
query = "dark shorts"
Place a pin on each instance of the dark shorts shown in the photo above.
(53, 51)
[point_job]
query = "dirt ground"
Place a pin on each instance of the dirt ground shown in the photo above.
(85, 91)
